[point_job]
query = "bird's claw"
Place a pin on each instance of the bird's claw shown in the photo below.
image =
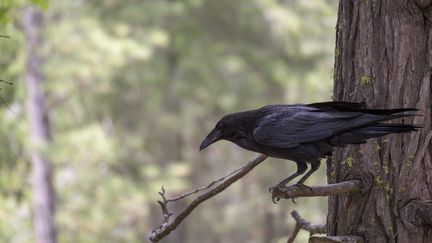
(275, 190)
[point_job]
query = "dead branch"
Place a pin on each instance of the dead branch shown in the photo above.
(295, 191)
(304, 224)
(205, 187)
(166, 227)
(301, 223)
(336, 239)
(294, 233)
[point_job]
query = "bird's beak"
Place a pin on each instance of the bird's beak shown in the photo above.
(212, 137)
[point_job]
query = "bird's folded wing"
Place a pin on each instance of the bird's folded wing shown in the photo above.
(289, 129)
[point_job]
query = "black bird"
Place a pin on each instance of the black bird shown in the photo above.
(306, 133)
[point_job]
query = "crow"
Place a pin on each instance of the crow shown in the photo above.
(306, 133)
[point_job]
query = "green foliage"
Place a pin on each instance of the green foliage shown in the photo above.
(44, 4)
(9, 8)
(132, 88)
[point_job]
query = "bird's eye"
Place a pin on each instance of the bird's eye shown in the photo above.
(219, 125)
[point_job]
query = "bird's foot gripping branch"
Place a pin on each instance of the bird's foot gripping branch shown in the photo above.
(280, 189)
(294, 191)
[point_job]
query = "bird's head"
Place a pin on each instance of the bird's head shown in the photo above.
(228, 128)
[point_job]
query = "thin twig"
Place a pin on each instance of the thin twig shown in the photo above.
(165, 228)
(5, 36)
(203, 187)
(294, 233)
(302, 223)
(163, 204)
(295, 191)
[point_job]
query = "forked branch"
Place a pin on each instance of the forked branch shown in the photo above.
(302, 223)
(313, 229)
(166, 227)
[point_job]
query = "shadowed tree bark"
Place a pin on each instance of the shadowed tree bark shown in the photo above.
(43, 192)
(383, 57)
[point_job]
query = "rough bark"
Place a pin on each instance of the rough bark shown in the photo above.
(383, 57)
(43, 192)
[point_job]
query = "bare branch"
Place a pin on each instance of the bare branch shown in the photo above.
(304, 224)
(337, 239)
(163, 204)
(295, 191)
(165, 228)
(204, 187)
(301, 223)
(294, 233)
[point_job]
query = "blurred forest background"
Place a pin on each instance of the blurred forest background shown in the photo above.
(132, 88)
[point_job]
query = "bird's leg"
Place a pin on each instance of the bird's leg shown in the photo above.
(301, 168)
(314, 166)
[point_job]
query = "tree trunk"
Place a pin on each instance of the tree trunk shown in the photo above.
(43, 192)
(383, 57)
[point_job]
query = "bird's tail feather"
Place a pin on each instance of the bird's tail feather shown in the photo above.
(381, 129)
(356, 107)
(360, 135)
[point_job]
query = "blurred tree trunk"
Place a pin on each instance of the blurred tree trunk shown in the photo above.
(383, 57)
(43, 192)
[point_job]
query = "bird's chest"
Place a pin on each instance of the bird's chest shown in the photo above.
(247, 143)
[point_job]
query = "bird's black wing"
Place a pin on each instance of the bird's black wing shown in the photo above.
(289, 128)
